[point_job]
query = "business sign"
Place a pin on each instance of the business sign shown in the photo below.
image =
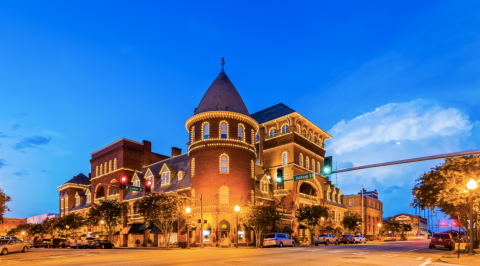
(133, 188)
(302, 177)
(402, 218)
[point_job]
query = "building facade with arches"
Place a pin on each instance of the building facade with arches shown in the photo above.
(232, 159)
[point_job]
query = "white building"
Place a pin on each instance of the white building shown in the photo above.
(39, 218)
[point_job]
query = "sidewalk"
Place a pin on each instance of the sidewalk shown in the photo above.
(464, 258)
(177, 248)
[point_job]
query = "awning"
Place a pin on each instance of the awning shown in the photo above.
(424, 232)
(133, 229)
(329, 228)
(275, 229)
(155, 230)
(287, 229)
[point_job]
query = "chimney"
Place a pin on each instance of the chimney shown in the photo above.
(176, 151)
(147, 145)
(89, 175)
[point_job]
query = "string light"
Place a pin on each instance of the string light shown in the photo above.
(222, 114)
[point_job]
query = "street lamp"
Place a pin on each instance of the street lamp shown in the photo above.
(237, 209)
(188, 229)
(23, 235)
(102, 225)
(471, 185)
(379, 225)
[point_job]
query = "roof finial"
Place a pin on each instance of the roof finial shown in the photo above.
(223, 63)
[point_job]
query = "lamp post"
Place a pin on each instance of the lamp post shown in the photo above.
(102, 222)
(379, 226)
(23, 235)
(188, 229)
(237, 209)
(66, 227)
(471, 185)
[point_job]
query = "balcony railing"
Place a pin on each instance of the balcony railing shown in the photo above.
(308, 197)
(280, 192)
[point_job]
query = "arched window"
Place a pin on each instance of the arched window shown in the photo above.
(136, 181)
(192, 166)
(307, 162)
(224, 196)
(284, 129)
(241, 131)
(106, 168)
(115, 164)
(224, 163)
(313, 165)
(110, 166)
(206, 131)
(66, 204)
(192, 135)
(77, 200)
(96, 170)
(165, 177)
(223, 130)
(304, 132)
(256, 136)
(264, 184)
(101, 167)
(285, 158)
(273, 132)
(89, 196)
(300, 159)
(318, 167)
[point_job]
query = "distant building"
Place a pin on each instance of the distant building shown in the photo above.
(418, 223)
(39, 218)
(9, 224)
(372, 209)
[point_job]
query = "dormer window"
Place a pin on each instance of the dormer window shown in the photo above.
(89, 196)
(136, 181)
(181, 175)
(77, 200)
(284, 129)
(165, 178)
(149, 176)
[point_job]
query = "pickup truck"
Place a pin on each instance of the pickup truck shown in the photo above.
(82, 243)
(325, 239)
(359, 239)
(42, 243)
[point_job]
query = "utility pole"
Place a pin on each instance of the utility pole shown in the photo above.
(363, 220)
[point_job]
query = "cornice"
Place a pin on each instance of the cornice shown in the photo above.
(221, 114)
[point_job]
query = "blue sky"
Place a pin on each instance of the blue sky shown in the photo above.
(75, 77)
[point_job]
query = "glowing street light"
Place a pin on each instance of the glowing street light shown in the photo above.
(188, 210)
(102, 222)
(471, 185)
(237, 209)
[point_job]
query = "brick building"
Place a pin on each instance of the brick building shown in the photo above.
(231, 159)
(9, 224)
(418, 223)
(372, 211)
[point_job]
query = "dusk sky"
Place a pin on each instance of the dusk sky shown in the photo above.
(389, 80)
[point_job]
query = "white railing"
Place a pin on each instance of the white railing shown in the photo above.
(308, 197)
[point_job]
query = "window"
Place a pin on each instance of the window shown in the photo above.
(180, 175)
(285, 158)
(192, 166)
(96, 170)
(300, 159)
(273, 132)
(318, 167)
(110, 166)
(224, 195)
(257, 136)
(136, 182)
(77, 200)
(166, 178)
(224, 163)
(89, 196)
(66, 204)
(192, 135)
(307, 163)
(240, 133)
(284, 129)
(313, 165)
(350, 202)
(101, 167)
(252, 196)
(206, 131)
(62, 203)
(113, 191)
(223, 130)
(115, 164)
(106, 167)
(264, 184)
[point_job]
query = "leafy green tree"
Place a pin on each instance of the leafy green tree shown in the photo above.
(311, 216)
(111, 212)
(444, 188)
(393, 227)
(37, 230)
(161, 210)
(404, 228)
(3, 204)
(22, 228)
(69, 224)
(352, 222)
(50, 226)
(259, 217)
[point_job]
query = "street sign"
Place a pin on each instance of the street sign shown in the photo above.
(133, 188)
(302, 177)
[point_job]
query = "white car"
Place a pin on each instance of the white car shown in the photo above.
(278, 240)
(359, 239)
(12, 245)
(325, 239)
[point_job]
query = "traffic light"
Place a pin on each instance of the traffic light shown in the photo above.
(454, 223)
(443, 223)
(280, 176)
(123, 182)
(327, 166)
(204, 221)
(148, 186)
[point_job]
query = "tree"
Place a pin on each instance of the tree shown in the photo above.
(37, 230)
(311, 216)
(161, 210)
(3, 204)
(392, 227)
(50, 226)
(70, 223)
(22, 228)
(445, 188)
(352, 222)
(259, 217)
(111, 212)
(404, 228)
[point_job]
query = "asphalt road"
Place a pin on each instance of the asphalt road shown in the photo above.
(403, 253)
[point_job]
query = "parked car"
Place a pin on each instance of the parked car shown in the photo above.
(325, 239)
(42, 243)
(279, 240)
(390, 238)
(442, 239)
(12, 245)
(9, 237)
(103, 244)
(60, 242)
(359, 239)
(82, 243)
(346, 239)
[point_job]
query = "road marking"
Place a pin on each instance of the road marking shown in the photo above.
(360, 253)
(337, 251)
(419, 258)
(428, 261)
(57, 257)
(384, 255)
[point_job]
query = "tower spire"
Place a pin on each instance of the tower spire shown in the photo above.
(222, 63)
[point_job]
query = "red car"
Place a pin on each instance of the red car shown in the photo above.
(346, 239)
(442, 239)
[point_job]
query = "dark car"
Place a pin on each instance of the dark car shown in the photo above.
(442, 239)
(42, 243)
(346, 239)
(103, 244)
(60, 242)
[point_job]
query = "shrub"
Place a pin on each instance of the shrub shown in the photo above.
(137, 242)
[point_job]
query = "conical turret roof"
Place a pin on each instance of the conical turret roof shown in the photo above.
(222, 96)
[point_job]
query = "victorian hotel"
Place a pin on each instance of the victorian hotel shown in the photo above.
(232, 159)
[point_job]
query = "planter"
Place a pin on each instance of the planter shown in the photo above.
(137, 245)
(149, 245)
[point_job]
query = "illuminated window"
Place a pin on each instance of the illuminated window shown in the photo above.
(151, 178)
(89, 196)
(285, 158)
(101, 167)
(62, 203)
(96, 170)
(181, 174)
(284, 129)
(192, 135)
(77, 200)
(224, 196)
(192, 166)
(223, 130)
(105, 168)
(136, 181)
(313, 165)
(166, 178)
(318, 167)
(66, 204)
(300, 159)
(110, 166)
(115, 164)
(273, 132)
(224, 163)
(307, 162)
(206, 131)
(256, 137)
(241, 133)
(113, 191)
(264, 184)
